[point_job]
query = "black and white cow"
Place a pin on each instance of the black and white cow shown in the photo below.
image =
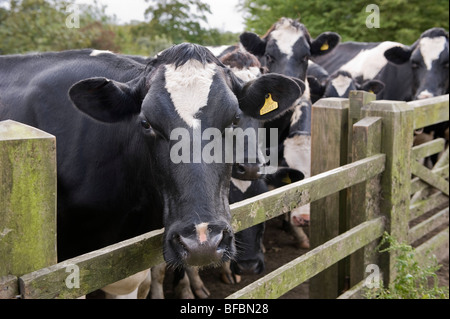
(415, 72)
(339, 84)
(113, 119)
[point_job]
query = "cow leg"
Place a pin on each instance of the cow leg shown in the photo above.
(227, 275)
(196, 283)
(144, 287)
(156, 282)
(126, 288)
(182, 286)
(293, 227)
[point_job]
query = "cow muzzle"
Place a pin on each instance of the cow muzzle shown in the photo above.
(201, 245)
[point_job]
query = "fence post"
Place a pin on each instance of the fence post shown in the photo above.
(396, 143)
(329, 135)
(365, 198)
(27, 200)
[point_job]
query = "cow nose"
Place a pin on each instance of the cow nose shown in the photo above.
(208, 245)
(424, 95)
(246, 171)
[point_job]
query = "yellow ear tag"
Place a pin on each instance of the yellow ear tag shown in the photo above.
(371, 91)
(269, 106)
(324, 47)
(286, 179)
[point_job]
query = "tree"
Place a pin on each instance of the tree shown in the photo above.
(400, 20)
(177, 20)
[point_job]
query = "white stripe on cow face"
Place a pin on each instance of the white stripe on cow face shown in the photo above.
(341, 84)
(189, 86)
(286, 36)
(241, 184)
(247, 74)
(431, 48)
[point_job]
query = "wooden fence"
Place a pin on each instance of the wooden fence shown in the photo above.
(362, 164)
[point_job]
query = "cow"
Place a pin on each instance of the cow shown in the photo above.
(338, 84)
(408, 72)
(113, 119)
(286, 48)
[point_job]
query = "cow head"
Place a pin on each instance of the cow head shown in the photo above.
(176, 114)
(428, 57)
(339, 84)
(287, 47)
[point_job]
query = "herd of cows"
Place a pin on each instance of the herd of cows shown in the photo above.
(113, 115)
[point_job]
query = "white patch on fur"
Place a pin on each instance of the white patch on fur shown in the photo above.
(240, 184)
(99, 52)
(368, 63)
(431, 48)
(286, 35)
(247, 74)
(126, 287)
(425, 95)
(341, 84)
(297, 153)
(189, 86)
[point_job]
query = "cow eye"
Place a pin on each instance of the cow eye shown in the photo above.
(236, 119)
(415, 64)
(145, 124)
(269, 58)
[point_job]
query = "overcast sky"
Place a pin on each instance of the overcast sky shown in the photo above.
(224, 13)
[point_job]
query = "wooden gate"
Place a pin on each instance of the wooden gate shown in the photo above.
(362, 163)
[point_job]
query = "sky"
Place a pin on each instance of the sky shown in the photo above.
(224, 13)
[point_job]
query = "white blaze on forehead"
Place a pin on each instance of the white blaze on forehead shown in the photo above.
(286, 35)
(189, 86)
(247, 74)
(431, 48)
(341, 83)
(368, 63)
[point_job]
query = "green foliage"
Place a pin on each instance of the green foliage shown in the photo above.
(40, 25)
(400, 20)
(413, 280)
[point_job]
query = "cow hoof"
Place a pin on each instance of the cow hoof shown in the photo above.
(202, 292)
(231, 279)
(303, 244)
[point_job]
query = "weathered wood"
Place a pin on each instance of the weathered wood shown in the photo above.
(427, 176)
(417, 185)
(94, 270)
(428, 225)
(430, 111)
(257, 209)
(437, 245)
(27, 199)
(364, 196)
(329, 145)
(313, 262)
(425, 205)
(397, 139)
(428, 148)
(9, 287)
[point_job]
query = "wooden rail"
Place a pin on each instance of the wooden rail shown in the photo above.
(362, 162)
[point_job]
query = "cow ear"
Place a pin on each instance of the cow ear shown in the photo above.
(283, 176)
(372, 86)
(398, 55)
(324, 43)
(253, 43)
(269, 96)
(104, 100)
